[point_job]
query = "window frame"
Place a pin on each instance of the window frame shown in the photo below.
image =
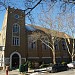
(16, 16)
(14, 42)
(45, 47)
(64, 45)
(16, 26)
(32, 43)
(56, 45)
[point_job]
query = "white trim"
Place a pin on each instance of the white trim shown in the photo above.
(17, 25)
(11, 59)
(58, 57)
(16, 40)
(24, 59)
(65, 57)
(15, 36)
(46, 57)
(34, 57)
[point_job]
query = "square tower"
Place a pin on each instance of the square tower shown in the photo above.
(15, 39)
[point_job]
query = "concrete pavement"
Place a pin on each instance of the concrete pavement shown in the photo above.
(15, 72)
(31, 72)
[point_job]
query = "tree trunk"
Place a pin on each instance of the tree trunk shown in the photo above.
(72, 58)
(53, 51)
(54, 61)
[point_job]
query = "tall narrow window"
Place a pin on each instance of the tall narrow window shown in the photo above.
(16, 28)
(64, 45)
(16, 41)
(43, 46)
(56, 45)
(16, 35)
(31, 43)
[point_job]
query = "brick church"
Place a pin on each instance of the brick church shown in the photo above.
(15, 42)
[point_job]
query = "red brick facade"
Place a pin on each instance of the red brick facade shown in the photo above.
(24, 53)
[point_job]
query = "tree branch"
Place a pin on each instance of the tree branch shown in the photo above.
(46, 44)
(68, 47)
(33, 7)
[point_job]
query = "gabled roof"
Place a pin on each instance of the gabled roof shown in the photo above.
(54, 32)
(48, 31)
(30, 28)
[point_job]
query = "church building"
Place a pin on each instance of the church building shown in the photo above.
(15, 42)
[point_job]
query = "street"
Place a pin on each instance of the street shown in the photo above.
(69, 72)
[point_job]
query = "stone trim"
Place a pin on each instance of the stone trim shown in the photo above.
(11, 59)
(46, 57)
(33, 57)
(57, 57)
(23, 59)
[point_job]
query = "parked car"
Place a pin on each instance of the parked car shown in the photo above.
(71, 64)
(48, 69)
(58, 68)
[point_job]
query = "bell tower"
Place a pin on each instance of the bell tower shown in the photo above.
(16, 38)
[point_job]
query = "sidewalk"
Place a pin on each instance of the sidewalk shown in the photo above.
(15, 72)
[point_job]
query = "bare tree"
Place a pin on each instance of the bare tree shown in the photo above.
(29, 5)
(68, 27)
(48, 37)
(55, 27)
(71, 29)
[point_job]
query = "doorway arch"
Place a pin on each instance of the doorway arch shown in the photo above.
(15, 60)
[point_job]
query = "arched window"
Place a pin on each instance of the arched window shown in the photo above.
(16, 28)
(31, 43)
(56, 45)
(15, 37)
(44, 46)
(64, 44)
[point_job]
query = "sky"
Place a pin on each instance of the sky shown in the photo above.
(18, 4)
(1, 18)
(35, 13)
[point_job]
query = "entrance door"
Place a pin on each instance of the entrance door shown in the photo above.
(15, 61)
